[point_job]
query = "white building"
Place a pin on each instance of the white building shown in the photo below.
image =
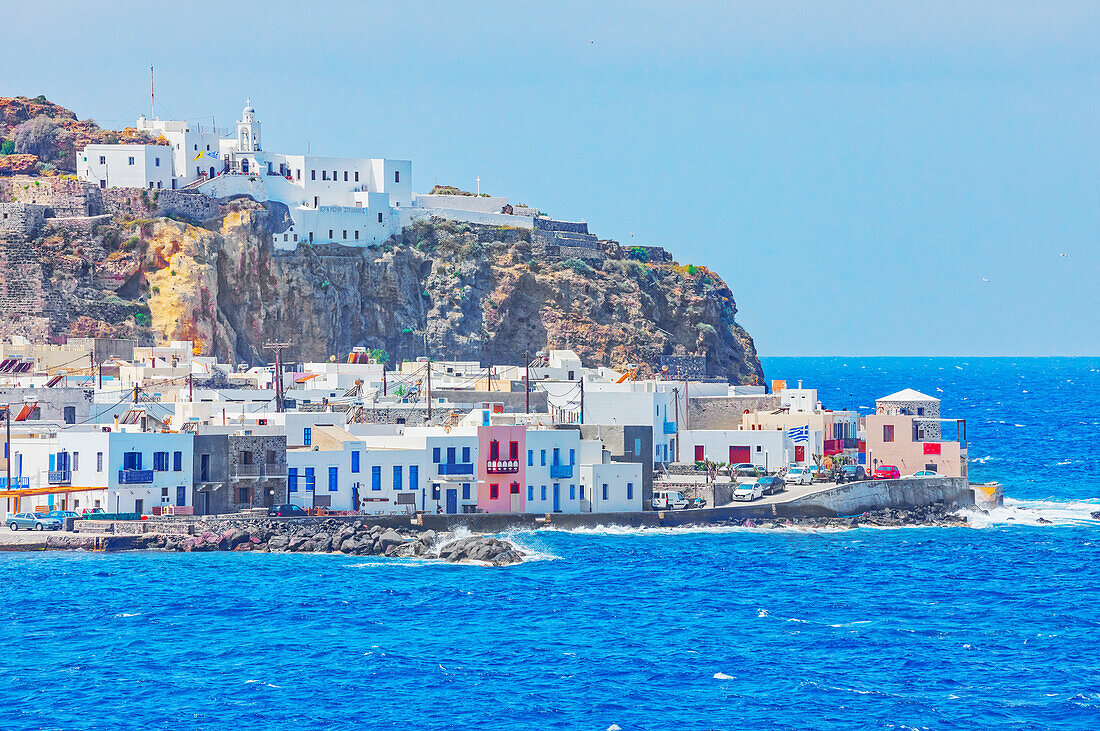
(127, 166)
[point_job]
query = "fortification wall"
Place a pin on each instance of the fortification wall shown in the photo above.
(21, 218)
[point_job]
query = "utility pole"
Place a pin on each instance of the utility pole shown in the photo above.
(278, 347)
(429, 364)
(7, 444)
(152, 96)
(687, 409)
(582, 398)
(384, 391)
(190, 388)
(527, 379)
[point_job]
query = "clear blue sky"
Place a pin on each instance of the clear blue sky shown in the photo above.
(853, 169)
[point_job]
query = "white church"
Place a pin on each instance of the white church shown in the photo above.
(350, 201)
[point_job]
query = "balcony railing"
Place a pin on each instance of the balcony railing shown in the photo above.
(59, 477)
(670, 427)
(502, 466)
(135, 477)
(16, 482)
(257, 471)
(453, 468)
(561, 471)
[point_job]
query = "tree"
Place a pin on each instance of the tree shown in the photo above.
(7, 147)
(38, 136)
(379, 355)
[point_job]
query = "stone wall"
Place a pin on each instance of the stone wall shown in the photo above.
(21, 218)
(725, 412)
(549, 224)
(63, 198)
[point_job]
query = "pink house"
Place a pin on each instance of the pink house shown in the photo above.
(501, 468)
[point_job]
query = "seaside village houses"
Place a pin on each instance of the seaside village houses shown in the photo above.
(105, 425)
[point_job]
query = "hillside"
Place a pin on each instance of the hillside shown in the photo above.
(451, 290)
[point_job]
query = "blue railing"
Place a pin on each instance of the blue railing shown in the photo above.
(135, 477)
(16, 482)
(59, 477)
(561, 471)
(452, 468)
(670, 427)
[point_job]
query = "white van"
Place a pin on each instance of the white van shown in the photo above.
(669, 500)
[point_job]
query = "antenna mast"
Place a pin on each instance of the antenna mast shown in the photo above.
(152, 96)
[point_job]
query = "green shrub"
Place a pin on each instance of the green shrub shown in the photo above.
(707, 328)
(692, 270)
(579, 266)
(638, 253)
(7, 147)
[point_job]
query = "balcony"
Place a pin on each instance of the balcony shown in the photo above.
(16, 483)
(453, 468)
(59, 477)
(135, 477)
(670, 427)
(561, 471)
(502, 466)
(257, 471)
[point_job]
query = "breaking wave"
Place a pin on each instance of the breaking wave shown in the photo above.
(1036, 512)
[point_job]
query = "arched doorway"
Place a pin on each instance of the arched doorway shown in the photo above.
(244, 165)
(212, 171)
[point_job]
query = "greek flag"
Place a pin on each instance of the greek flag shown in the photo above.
(799, 434)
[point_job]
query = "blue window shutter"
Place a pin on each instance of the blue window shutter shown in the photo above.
(376, 477)
(465, 454)
(177, 462)
(307, 436)
(333, 479)
(572, 492)
(414, 477)
(605, 491)
(572, 457)
(630, 491)
(465, 491)
(397, 477)
(311, 479)
(450, 455)
(531, 493)
(542, 457)
(436, 454)
(557, 456)
(582, 492)
(355, 461)
(530, 458)
(53, 461)
(543, 494)
(638, 447)
(292, 479)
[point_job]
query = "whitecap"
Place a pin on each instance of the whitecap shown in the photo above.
(125, 614)
(722, 676)
(1029, 512)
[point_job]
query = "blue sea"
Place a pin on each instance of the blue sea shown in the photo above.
(994, 626)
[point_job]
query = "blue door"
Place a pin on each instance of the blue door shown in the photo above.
(452, 502)
(557, 498)
(181, 496)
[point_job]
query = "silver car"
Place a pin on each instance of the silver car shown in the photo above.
(33, 521)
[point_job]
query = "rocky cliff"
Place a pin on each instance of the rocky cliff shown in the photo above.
(450, 290)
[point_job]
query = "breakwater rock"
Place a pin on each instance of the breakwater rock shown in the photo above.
(936, 515)
(331, 536)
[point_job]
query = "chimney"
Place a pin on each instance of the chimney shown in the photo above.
(800, 383)
(116, 422)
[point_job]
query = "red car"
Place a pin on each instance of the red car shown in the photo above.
(887, 472)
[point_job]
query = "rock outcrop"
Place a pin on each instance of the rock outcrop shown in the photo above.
(450, 290)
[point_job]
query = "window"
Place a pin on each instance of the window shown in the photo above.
(494, 450)
(887, 432)
(572, 457)
(630, 491)
(450, 455)
(542, 494)
(345, 236)
(356, 176)
(99, 461)
(334, 175)
(465, 454)
(542, 457)
(557, 456)
(397, 477)
(494, 492)
(436, 451)
(414, 477)
(530, 458)
(638, 447)
(330, 233)
(204, 468)
(465, 491)
(76, 461)
(582, 492)
(356, 234)
(311, 479)
(177, 461)
(295, 238)
(160, 461)
(345, 176)
(355, 462)
(513, 450)
(514, 487)
(435, 492)
(380, 217)
(531, 493)
(307, 436)
(291, 479)
(572, 492)
(324, 175)
(312, 174)
(397, 176)
(131, 161)
(376, 477)
(605, 491)
(298, 174)
(102, 160)
(333, 479)
(242, 495)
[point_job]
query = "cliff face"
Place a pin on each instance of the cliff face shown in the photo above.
(450, 290)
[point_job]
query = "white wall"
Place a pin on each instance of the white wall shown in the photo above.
(623, 481)
(109, 166)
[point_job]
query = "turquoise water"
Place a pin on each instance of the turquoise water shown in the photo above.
(906, 628)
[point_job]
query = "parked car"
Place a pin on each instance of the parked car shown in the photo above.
(851, 473)
(799, 476)
(62, 514)
(669, 500)
(287, 511)
(924, 473)
(886, 472)
(93, 511)
(746, 469)
(772, 485)
(749, 491)
(33, 521)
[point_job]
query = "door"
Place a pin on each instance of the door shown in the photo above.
(739, 455)
(139, 507)
(557, 498)
(699, 453)
(452, 502)
(181, 496)
(799, 454)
